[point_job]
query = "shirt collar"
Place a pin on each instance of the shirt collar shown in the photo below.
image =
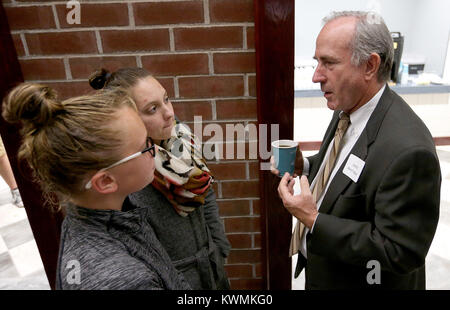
(360, 117)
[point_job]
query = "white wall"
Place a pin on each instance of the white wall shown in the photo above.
(424, 23)
(430, 33)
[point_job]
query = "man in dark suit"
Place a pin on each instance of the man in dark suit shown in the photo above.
(371, 212)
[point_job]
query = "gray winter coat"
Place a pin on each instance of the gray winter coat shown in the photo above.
(196, 243)
(106, 249)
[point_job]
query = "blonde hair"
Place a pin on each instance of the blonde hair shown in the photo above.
(65, 140)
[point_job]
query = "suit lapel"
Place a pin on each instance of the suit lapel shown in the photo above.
(340, 181)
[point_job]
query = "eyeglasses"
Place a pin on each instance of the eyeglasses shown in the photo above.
(150, 147)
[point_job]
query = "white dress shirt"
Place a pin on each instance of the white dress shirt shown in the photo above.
(358, 121)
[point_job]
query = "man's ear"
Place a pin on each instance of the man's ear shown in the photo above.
(104, 183)
(372, 66)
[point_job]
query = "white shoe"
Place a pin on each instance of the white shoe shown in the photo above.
(16, 198)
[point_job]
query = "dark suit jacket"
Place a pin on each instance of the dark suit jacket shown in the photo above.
(389, 215)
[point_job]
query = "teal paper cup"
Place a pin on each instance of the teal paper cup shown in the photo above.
(284, 152)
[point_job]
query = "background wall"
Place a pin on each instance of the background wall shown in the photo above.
(202, 52)
(425, 25)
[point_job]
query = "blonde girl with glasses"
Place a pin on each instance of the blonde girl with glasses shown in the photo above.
(93, 151)
(184, 212)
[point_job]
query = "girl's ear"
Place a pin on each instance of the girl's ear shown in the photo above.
(104, 183)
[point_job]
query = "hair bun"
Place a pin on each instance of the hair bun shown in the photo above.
(98, 79)
(33, 104)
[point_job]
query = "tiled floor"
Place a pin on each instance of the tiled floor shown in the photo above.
(20, 263)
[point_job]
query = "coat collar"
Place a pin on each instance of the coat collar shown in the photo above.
(129, 220)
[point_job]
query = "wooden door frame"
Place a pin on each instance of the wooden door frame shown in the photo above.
(274, 43)
(45, 223)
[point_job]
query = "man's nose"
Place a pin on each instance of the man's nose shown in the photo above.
(318, 76)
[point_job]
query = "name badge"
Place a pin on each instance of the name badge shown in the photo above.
(354, 167)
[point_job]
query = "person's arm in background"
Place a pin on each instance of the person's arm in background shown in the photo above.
(214, 223)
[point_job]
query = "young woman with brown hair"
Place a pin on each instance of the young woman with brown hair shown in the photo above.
(184, 212)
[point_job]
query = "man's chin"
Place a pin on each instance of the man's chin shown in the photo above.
(332, 105)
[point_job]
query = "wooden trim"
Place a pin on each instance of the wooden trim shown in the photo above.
(274, 43)
(442, 140)
(310, 145)
(44, 223)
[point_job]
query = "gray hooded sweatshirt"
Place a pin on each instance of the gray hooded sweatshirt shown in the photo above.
(106, 249)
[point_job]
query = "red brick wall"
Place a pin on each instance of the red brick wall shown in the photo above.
(203, 53)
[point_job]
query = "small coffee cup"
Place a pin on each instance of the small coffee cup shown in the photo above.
(284, 152)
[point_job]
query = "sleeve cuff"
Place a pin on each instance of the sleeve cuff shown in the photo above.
(312, 228)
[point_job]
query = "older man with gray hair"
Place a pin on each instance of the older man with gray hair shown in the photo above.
(371, 212)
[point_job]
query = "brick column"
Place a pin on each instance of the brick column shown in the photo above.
(203, 53)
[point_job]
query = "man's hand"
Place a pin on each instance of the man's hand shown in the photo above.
(298, 163)
(302, 206)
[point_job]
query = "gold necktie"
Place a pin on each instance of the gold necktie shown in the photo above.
(322, 180)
